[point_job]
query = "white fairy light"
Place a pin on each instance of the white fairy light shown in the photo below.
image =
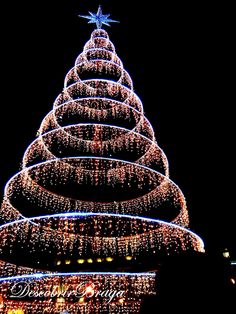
(98, 117)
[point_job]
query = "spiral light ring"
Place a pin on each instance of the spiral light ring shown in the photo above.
(96, 137)
(23, 180)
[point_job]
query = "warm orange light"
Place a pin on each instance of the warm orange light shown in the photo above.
(81, 300)
(121, 300)
(89, 260)
(99, 260)
(67, 262)
(58, 263)
(109, 259)
(18, 311)
(1, 302)
(80, 261)
(60, 300)
(128, 258)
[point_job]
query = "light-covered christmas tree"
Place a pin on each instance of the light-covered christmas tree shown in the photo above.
(93, 206)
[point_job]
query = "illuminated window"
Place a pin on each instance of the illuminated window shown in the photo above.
(89, 260)
(128, 258)
(80, 261)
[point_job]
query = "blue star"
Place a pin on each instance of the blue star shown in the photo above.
(98, 18)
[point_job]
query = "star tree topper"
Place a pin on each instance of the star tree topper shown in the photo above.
(98, 18)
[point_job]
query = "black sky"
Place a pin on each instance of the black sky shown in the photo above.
(181, 60)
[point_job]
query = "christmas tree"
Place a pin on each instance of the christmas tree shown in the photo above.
(93, 203)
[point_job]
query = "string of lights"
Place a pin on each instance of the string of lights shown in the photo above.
(94, 188)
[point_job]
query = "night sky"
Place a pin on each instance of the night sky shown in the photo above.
(180, 58)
